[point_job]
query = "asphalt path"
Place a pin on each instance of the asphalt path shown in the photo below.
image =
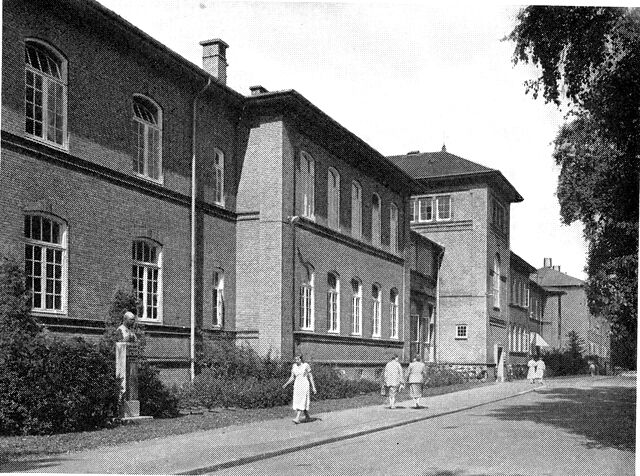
(576, 427)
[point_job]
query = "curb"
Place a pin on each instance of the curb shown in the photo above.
(293, 449)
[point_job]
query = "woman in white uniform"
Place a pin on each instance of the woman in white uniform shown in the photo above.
(302, 379)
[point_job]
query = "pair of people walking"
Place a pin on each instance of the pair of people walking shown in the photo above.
(394, 381)
(536, 370)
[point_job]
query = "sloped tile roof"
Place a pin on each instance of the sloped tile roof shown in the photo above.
(553, 277)
(436, 164)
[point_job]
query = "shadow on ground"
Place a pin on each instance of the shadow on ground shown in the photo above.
(30, 465)
(605, 416)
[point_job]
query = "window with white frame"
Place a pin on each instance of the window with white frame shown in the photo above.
(45, 257)
(425, 209)
(462, 331)
(512, 294)
(376, 297)
(307, 185)
(356, 210)
(147, 278)
(393, 228)
(147, 126)
(496, 282)
(511, 338)
(526, 296)
(218, 298)
(218, 179)
(444, 207)
(393, 312)
(376, 206)
(307, 301)
(333, 302)
(333, 198)
(356, 307)
(45, 93)
(413, 210)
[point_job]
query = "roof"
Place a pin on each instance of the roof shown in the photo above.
(443, 167)
(549, 277)
(517, 261)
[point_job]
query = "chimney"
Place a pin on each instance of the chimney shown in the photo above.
(214, 58)
(557, 268)
(547, 263)
(255, 90)
(413, 152)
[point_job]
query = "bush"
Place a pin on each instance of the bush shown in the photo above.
(156, 400)
(441, 375)
(568, 361)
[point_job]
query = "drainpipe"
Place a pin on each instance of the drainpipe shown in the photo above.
(436, 343)
(192, 338)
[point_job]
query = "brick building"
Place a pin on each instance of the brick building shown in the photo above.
(256, 218)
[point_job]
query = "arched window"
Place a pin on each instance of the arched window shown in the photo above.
(147, 278)
(393, 312)
(333, 302)
(376, 297)
(333, 198)
(376, 205)
(147, 127)
(307, 300)
(356, 307)
(356, 210)
(393, 228)
(306, 185)
(45, 258)
(218, 298)
(496, 281)
(218, 179)
(45, 93)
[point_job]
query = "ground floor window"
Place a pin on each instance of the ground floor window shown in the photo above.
(146, 278)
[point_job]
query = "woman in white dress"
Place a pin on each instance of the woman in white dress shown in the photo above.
(540, 368)
(302, 379)
(531, 374)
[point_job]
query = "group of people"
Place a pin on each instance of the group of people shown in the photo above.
(536, 370)
(393, 380)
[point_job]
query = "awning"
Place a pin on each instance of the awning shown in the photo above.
(538, 341)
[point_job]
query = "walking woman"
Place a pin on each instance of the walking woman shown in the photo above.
(531, 374)
(302, 379)
(415, 379)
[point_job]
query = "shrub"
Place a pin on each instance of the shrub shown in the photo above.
(441, 375)
(568, 361)
(156, 399)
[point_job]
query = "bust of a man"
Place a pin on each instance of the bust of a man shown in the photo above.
(125, 332)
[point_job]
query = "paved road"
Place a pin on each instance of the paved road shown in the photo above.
(569, 428)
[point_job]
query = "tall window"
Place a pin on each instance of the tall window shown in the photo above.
(356, 210)
(375, 220)
(45, 94)
(413, 210)
(45, 258)
(393, 312)
(146, 278)
(496, 282)
(393, 228)
(333, 198)
(307, 301)
(333, 303)
(218, 298)
(498, 216)
(376, 297)
(306, 186)
(147, 126)
(356, 307)
(444, 207)
(218, 179)
(426, 209)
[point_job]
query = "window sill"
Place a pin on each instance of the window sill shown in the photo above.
(159, 181)
(40, 140)
(45, 313)
(331, 332)
(149, 321)
(462, 338)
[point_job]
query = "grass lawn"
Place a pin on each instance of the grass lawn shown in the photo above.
(16, 448)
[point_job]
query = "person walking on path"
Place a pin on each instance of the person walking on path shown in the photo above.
(393, 379)
(531, 374)
(302, 379)
(540, 368)
(415, 380)
(592, 368)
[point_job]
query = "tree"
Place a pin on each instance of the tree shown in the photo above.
(589, 58)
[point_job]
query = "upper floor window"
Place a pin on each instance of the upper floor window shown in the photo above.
(146, 278)
(432, 208)
(147, 127)
(444, 207)
(496, 282)
(356, 210)
(356, 307)
(393, 312)
(218, 179)
(376, 296)
(218, 298)
(425, 209)
(307, 303)
(498, 216)
(45, 93)
(45, 258)
(413, 210)
(462, 331)
(376, 205)
(333, 302)
(333, 198)
(393, 228)
(307, 185)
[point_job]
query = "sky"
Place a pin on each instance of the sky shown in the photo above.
(402, 77)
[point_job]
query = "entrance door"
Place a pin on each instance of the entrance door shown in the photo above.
(417, 336)
(499, 363)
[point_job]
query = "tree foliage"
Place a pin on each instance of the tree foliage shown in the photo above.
(589, 59)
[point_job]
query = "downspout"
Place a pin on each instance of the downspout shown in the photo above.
(192, 337)
(405, 268)
(436, 343)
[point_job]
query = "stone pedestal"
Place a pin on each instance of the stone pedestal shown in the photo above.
(127, 370)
